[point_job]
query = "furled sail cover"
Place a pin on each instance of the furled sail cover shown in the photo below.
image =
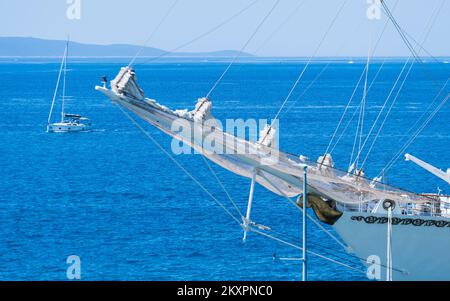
(279, 172)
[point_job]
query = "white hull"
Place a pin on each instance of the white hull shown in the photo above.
(66, 127)
(420, 244)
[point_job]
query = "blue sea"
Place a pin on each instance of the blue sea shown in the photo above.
(111, 197)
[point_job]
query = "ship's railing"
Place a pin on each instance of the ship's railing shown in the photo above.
(439, 208)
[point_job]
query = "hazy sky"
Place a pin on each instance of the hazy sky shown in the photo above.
(132, 21)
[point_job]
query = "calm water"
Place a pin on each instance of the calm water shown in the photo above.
(112, 198)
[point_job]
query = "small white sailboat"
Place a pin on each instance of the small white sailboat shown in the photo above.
(69, 122)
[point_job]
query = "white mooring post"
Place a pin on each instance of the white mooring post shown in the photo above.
(305, 196)
(249, 205)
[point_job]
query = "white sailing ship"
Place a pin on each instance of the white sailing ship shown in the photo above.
(408, 232)
(357, 206)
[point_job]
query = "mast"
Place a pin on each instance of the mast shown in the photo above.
(64, 80)
(57, 85)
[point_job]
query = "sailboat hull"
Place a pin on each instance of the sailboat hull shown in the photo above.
(66, 127)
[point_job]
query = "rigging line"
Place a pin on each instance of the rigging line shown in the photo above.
(305, 67)
(318, 75)
(222, 185)
(329, 63)
(399, 30)
(308, 251)
(416, 134)
(154, 31)
(243, 47)
(363, 107)
(409, 142)
(344, 130)
(356, 137)
(422, 48)
(376, 75)
(403, 34)
(335, 254)
(430, 25)
(327, 251)
(360, 124)
(417, 44)
(281, 25)
(354, 113)
(178, 164)
(419, 129)
(57, 85)
(386, 116)
(202, 35)
(387, 100)
(429, 106)
(345, 111)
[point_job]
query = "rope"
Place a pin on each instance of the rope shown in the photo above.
(320, 73)
(281, 25)
(204, 34)
(178, 164)
(154, 31)
(243, 47)
(400, 31)
(354, 113)
(308, 251)
(348, 104)
(363, 106)
(430, 25)
(429, 106)
(305, 67)
(419, 130)
(222, 186)
(356, 135)
(357, 85)
(343, 132)
(386, 116)
(338, 254)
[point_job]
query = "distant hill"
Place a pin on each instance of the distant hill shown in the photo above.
(33, 47)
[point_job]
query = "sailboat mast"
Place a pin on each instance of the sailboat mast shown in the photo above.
(57, 85)
(64, 80)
